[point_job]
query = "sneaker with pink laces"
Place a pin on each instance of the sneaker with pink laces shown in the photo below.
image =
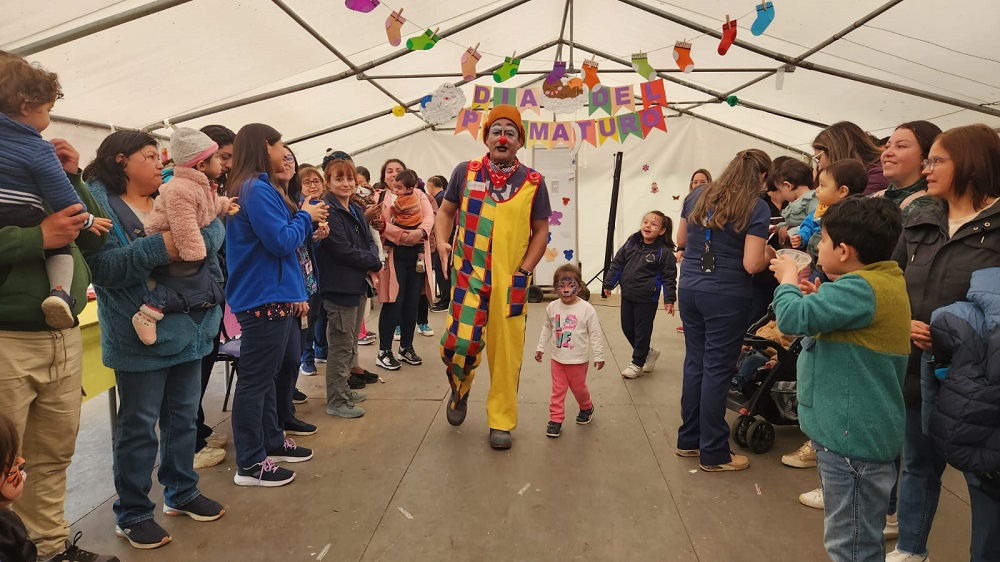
(265, 474)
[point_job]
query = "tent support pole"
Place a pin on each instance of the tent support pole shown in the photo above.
(673, 70)
(562, 31)
(96, 26)
(798, 62)
(96, 125)
(330, 79)
(709, 91)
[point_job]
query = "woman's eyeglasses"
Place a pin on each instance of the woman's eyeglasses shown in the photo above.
(931, 163)
(289, 159)
(312, 182)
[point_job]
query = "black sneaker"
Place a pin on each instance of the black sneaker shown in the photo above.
(144, 535)
(74, 553)
(299, 397)
(410, 356)
(387, 361)
(199, 509)
(290, 452)
(356, 382)
(440, 306)
(265, 474)
(584, 417)
(456, 415)
(367, 376)
(295, 426)
(553, 429)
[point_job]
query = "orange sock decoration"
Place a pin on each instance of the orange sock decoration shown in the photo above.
(590, 78)
(682, 54)
(470, 58)
(394, 26)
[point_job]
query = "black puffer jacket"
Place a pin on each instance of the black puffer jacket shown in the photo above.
(644, 270)
(965, 410)
(348, 254)
(938, 268)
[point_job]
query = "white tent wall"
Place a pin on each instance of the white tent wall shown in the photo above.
(671, 157)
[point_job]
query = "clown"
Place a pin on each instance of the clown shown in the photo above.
(502, 209)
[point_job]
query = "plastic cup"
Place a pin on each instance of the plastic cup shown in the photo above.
(802, 260)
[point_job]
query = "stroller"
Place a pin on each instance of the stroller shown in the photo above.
(764, 398)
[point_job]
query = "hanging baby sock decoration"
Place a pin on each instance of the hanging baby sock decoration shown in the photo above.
(682, 54)
(728, 35)
(423, 42)
(590, 78)
(554, 78)
(470, 58)
(508, 69)
(765, 15)
(393, 26)
(640, 64)
(363, 6)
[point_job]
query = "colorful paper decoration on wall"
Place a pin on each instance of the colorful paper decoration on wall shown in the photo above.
(444, 105)
(682, 54)
(508, 69)
(394, 27)
(728, 35)
(640, 64)
(590, 78)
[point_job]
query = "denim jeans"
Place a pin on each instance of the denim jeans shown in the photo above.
(255, 417)
(855, 496)
(985, 520)
(171, 396)
(920, 486)
(288, 377)
(308, 334)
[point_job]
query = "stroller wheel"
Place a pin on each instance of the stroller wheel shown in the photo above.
(760, 436)
(740, 428)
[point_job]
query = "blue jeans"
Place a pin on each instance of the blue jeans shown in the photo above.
(855, 498)
(255, 417)
(713, 331)
(985, 520)
(288, 376)
(171, 396)
(920, 485)
(308, 336)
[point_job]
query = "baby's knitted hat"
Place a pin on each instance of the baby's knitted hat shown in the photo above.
(191, 146)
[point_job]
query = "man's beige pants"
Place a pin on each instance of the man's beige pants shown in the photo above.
(41, 375)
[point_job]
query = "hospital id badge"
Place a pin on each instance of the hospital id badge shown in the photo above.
(708, 262)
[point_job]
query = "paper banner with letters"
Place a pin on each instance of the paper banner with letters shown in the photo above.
(616, 126)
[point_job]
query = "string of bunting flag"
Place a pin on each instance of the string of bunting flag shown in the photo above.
(638, 123)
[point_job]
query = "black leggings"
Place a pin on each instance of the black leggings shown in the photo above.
(637, 323)
(402, 312)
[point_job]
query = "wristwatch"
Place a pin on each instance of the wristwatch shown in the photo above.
(523, 271)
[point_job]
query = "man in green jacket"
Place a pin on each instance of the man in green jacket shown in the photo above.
(41, 368)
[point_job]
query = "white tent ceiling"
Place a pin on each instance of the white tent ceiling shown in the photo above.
(134, 63)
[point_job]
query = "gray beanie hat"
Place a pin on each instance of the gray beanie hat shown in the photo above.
(189, 146)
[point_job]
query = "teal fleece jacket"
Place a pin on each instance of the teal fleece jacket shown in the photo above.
(850, 373)
(261, 240)
(120, 272)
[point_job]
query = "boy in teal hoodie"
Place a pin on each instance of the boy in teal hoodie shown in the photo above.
(850, 371)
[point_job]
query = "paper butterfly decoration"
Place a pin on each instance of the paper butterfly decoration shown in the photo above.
(556, 218)
(676, 197)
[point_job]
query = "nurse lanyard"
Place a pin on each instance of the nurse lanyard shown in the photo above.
(707, 258)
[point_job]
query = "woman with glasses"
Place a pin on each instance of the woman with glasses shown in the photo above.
(267, 293)
(157, 384)
(699, 178)
(941, 246)
(844, 140)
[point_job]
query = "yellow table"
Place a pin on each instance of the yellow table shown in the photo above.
(96, 377)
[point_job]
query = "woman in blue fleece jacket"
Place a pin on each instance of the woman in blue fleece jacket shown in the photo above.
(267, 293)
(159, 382)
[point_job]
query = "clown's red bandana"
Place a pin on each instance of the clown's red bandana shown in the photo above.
(499, 175)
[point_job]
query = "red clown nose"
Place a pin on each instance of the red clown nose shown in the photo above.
(502, 140)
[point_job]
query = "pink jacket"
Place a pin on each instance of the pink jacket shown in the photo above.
(186, 204)
(388, 286)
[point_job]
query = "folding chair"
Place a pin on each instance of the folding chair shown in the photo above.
(229, 351)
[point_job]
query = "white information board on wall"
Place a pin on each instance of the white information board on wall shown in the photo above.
(558, 166)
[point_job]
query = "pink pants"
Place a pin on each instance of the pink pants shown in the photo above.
(571, 377)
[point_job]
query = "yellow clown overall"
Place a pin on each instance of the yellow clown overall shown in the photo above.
(488, 299)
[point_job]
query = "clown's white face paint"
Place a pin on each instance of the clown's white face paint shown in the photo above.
(568, 289)
(503, 139)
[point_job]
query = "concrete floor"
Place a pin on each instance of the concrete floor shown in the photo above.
(401, 484)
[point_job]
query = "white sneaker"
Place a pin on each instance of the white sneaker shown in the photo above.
(891, 530)
(804, 457)
(633, 371)
(217, 440)
(902, 556)
(812, 498)
(651, 358)
(209, 456)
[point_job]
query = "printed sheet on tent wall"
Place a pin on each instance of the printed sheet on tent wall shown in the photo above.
(558, 167)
